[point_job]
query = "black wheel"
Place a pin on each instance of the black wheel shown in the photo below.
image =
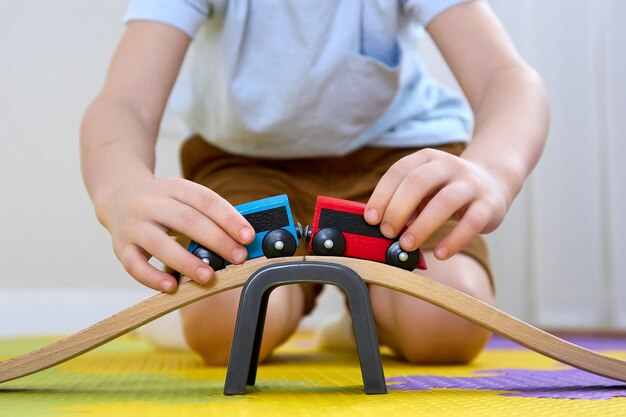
(278, 243)
(211, 259)
(402, 259)
(329, 242)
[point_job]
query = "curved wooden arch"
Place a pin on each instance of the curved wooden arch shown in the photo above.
(373, 273)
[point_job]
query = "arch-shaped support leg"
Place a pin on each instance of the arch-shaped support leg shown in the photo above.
(244, 355)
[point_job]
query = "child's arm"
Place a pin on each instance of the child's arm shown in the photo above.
(118, 136)
(511, 112)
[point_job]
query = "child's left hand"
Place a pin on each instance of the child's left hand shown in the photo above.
(425, 189)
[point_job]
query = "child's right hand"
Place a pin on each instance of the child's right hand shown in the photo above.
(140, 215)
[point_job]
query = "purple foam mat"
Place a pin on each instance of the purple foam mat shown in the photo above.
(613, 343)
(571, 384)
(558, 383)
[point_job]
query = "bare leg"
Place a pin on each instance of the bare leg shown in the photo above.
(209, 324)
(423, 333)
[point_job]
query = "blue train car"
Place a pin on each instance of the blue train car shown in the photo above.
(276, 233)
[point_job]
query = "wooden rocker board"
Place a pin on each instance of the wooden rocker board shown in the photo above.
(373, 273)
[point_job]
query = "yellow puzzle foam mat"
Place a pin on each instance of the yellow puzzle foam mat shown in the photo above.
(127, 377)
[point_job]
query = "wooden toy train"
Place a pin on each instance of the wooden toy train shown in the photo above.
(338, 229)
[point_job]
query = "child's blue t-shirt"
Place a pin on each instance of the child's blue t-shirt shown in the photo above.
(306, 78)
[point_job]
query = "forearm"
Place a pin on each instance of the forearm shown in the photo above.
(117, 149)
(117, 153)
(118, 135)
(120, 126)
(511, 126)
(506, 95)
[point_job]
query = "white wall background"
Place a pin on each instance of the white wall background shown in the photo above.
(558, 257)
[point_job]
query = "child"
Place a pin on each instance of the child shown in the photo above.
(312, 98)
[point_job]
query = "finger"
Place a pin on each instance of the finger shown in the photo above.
(439, 209)
(136, 264)
(195, 225)
(388, 184)
(215, 207)
(156, 242)
(471, 224)
(418, 184)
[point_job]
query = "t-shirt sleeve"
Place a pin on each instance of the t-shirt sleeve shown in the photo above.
(186, 15)
(426, 10)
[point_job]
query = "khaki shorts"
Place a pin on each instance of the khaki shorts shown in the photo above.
(353, 177)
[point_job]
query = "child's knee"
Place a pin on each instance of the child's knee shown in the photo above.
(424, 333)
(209, 326)
(441, 339)
(214, 350)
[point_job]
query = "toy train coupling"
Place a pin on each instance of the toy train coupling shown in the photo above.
(308, 232)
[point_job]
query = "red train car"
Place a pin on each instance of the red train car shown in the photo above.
(339, 229)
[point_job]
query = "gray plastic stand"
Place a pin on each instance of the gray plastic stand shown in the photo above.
(244, 355)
